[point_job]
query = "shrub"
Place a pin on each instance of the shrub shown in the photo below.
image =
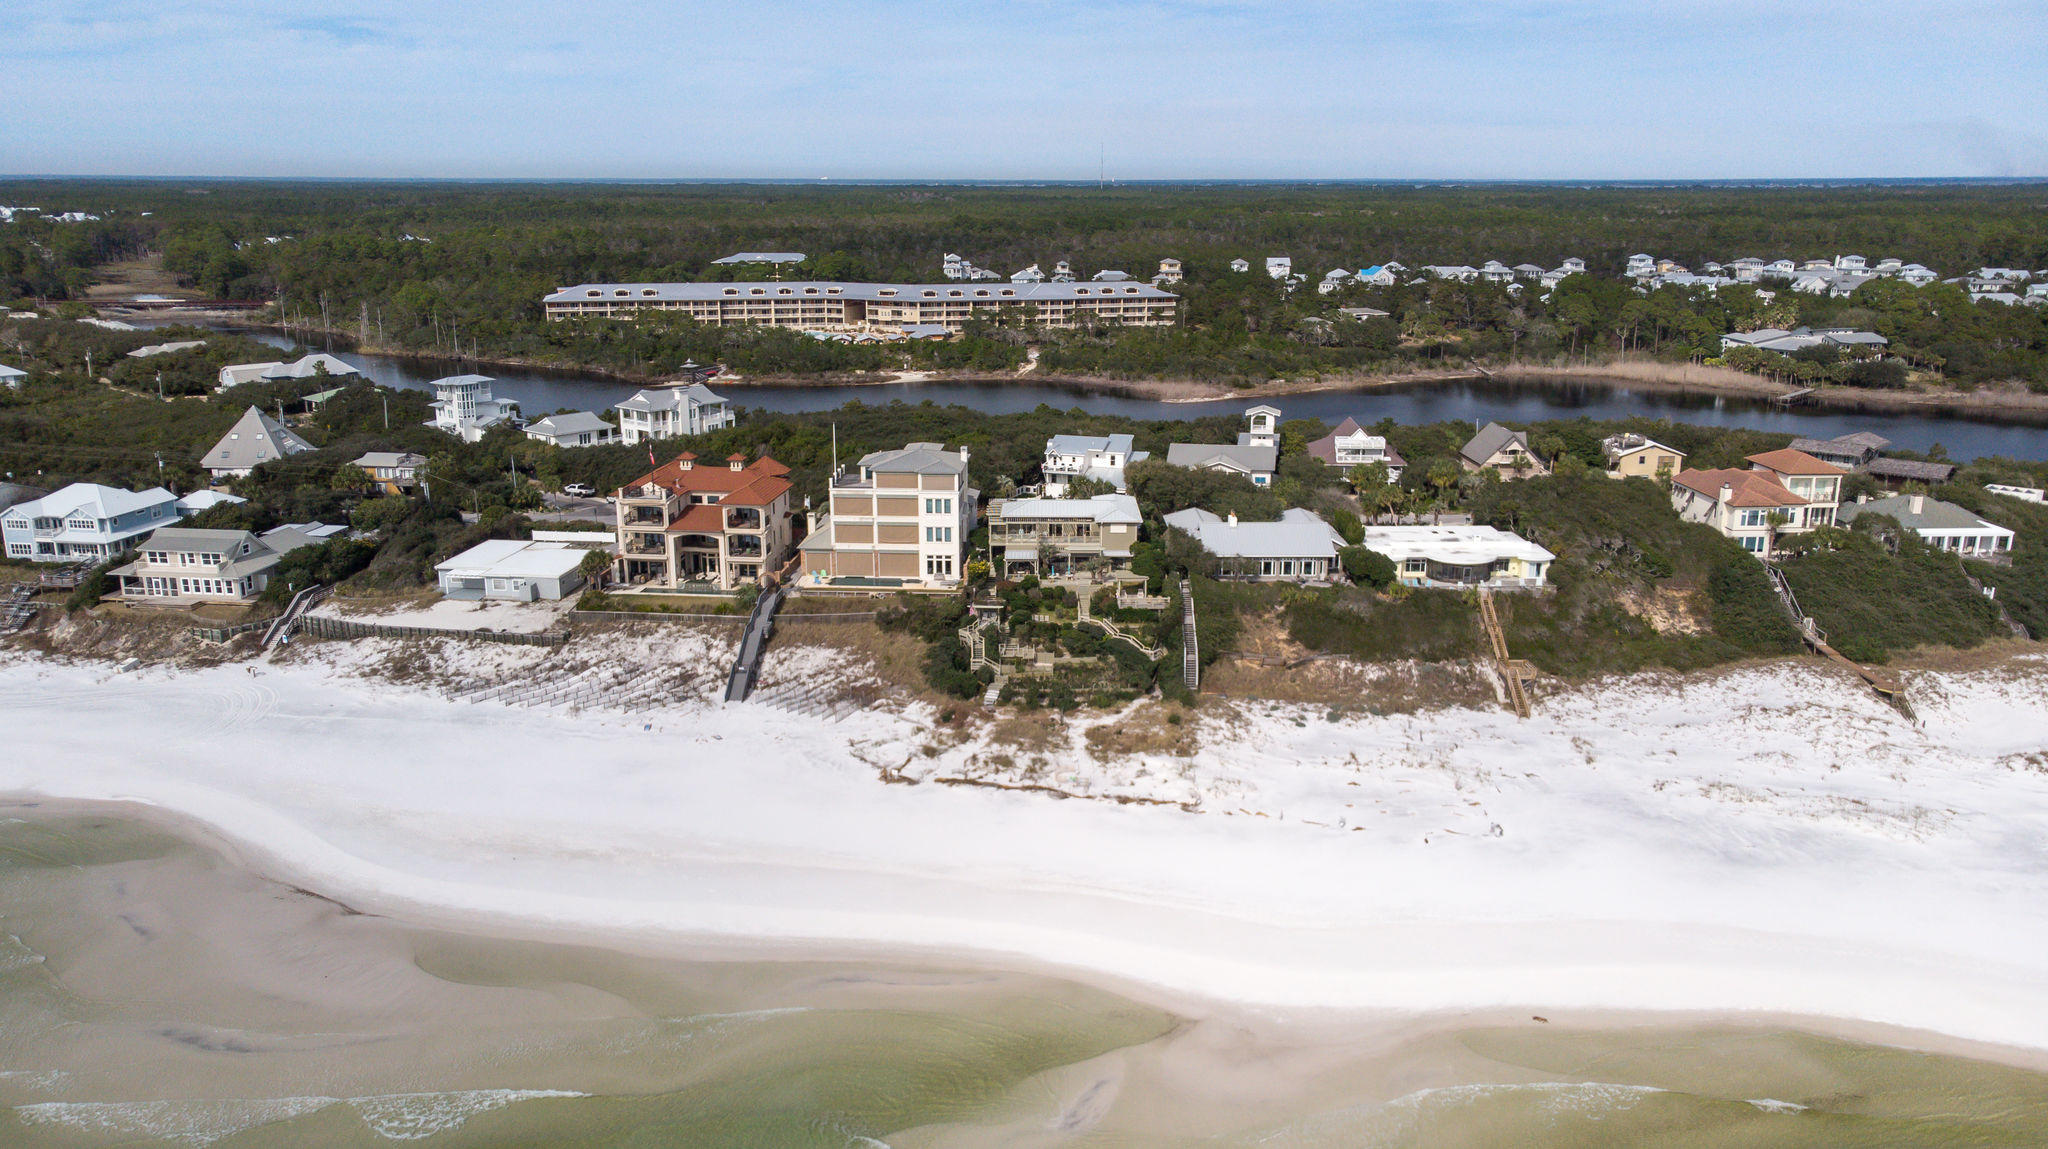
(1366, 567)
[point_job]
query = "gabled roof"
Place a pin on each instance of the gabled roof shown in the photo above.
(573, 423)
(255, 438)
(1911, 469)
(1747, 488)
(1248, 457)
(670, 399)
(1934, 514)
(1489, 441)
(94, 501)
(1790, 462)
(1299, 533)
(391, 459)
(309, 366)
(1325, 448)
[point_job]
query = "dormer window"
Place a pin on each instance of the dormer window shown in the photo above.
(594, 294)
(1009, 291)
(757, 291)
(647, 291)
(930, 294)
(834, 290)
(956, 294)
(889, 292)
(981, 292)
(785, 291)
(620, 291)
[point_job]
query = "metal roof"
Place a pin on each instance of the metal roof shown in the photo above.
(516, 558)
(1250, 457)
(763, 257)
(832, 289)
(573, 423)
(1933, 515)
(918, 458)
(670, 399)
(255, 438)
(1298, 534)
(1086, 444)
(1099, 508)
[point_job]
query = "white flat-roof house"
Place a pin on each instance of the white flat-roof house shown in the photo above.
(666, 412)
(255, 439)
(85, 522)
(575, 429)
(516, 569)
(826, 305)
(1461, 556)
(1102, 457)
(465, 408)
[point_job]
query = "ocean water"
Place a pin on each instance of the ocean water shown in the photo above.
(154, 992)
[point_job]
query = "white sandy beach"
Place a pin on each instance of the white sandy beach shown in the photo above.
(1771, 839)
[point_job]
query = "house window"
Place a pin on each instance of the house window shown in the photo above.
(1415, 566)
(1287, 566)
(938, 565)
(1754, 544)
(938, 506)
(938, 534)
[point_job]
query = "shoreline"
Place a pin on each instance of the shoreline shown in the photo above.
(2003, 406)
(1289, 1024)
(459, 814)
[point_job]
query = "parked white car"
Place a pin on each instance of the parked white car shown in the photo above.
(580, 490)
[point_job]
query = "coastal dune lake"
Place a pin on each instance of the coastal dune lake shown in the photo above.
(1472, 400)
(157, 990)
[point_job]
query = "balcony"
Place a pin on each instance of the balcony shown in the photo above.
(743, 547)
(743, 519)
(646, 516)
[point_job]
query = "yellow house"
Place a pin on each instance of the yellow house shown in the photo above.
(1631, 456)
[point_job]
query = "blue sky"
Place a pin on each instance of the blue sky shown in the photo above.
(1454, 89)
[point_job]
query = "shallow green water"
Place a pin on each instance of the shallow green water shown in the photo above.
(152, 993)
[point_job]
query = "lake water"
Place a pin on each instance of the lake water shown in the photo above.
(1477, 400)
(153, 992)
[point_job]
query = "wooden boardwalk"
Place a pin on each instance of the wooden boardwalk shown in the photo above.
(1514, 671)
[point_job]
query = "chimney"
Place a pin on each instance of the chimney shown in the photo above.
(963, 453)
(1917, 504)
(1863, 498)
(686, 460)
(1727, 491)
(736, 461)
(1233, 518)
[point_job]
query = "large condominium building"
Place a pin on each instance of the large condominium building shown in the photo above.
(871, 306)
(681, 523)
(898, 518)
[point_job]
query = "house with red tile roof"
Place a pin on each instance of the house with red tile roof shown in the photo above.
(687, 524)
(1782, 492)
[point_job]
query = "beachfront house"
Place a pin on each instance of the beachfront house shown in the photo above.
(465, 407)
(85, 522)
(393, 472)
(1782, 492)
(683, 526)
(1099, 457)
(2013, 491)
(516, 570)
(255, 439)
(896, 519)
(1300, 547)
(180, 566)
(1461, 556)
(666, 412)
(1350, 445)
(1941, 525)
(1055, 536)
(12, 377)
(1630, 456)
(575, 429)
(1502, 450)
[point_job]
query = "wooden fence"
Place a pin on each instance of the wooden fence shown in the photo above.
(223, 633)
(324, 627)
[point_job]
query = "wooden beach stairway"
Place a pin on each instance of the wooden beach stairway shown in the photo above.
(1514, 671)
(1190, 652)
(1887, 687)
